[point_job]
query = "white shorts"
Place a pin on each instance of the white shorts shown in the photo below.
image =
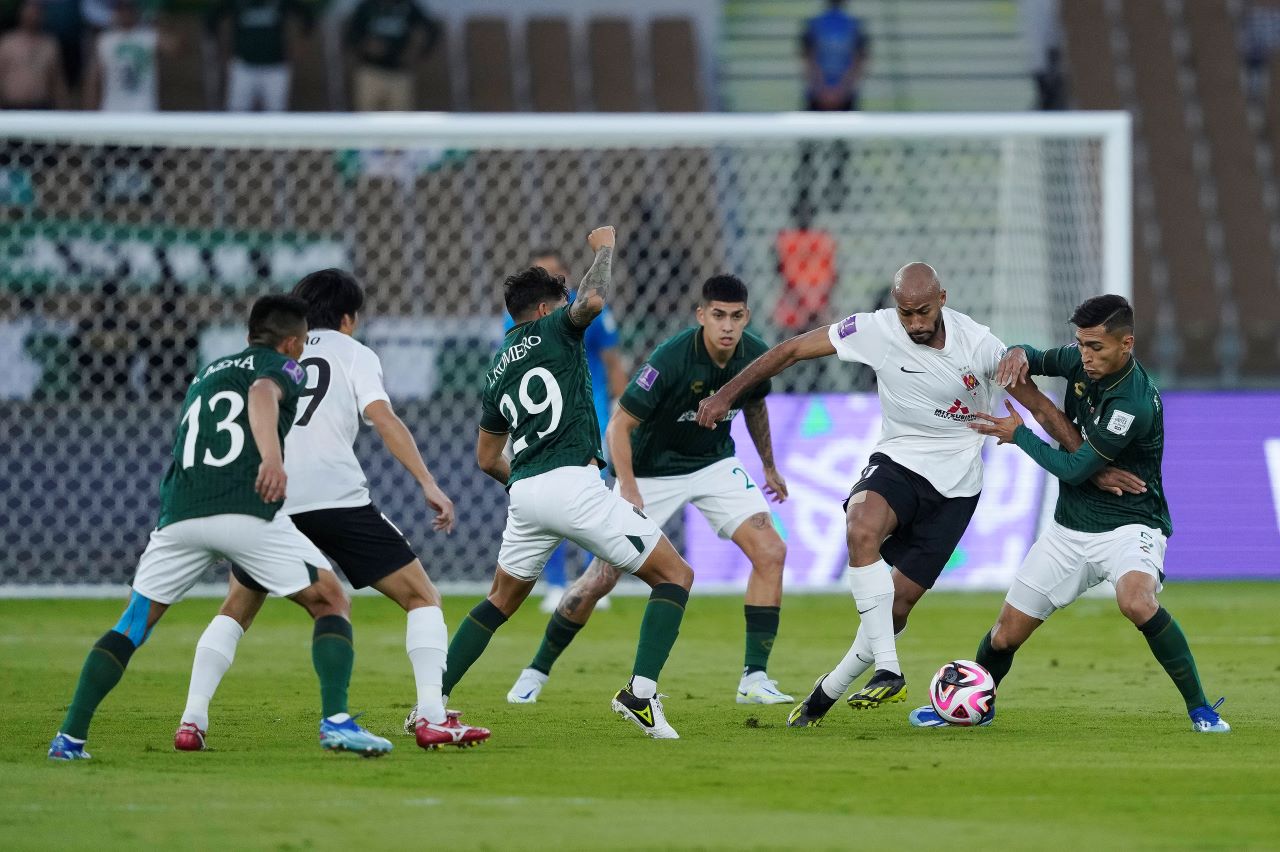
(572, 503)
(1064, 563)
(257, 86)
(723, 492)
(274, 553)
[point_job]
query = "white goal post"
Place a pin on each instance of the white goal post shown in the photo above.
(130, 246)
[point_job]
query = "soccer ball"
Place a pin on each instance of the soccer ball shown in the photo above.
(962, 692)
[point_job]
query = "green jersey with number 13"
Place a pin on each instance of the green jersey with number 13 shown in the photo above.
(538, 389)
(215, 460)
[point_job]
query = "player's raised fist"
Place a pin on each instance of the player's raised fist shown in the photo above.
(601, 237)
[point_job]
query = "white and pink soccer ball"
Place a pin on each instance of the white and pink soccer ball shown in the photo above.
(962, 692)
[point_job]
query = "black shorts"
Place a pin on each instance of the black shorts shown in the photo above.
(929, 525)
(360, 540)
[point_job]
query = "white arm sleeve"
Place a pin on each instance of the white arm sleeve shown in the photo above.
(990, 351)
(366, 380)
(860, 338)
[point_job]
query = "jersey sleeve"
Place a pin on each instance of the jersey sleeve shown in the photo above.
(860, 338)
(990, 351)
(366, 381)
(1061, 362)
(491, 419)
(1073, 468)
(1119, 423)
(563, 323)
(645, 390)
(285, 372)
(603, 333)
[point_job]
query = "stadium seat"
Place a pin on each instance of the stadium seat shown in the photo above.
(1184, 238)
(549, 53)
(488, 60)
(309, 81)
(673, 60)
(434, 77)
(182, 81)
(612, 56)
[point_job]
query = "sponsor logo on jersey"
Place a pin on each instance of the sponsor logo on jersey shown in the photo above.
(648, 375)
(848, 326)
(514, 353)
(691, 416)
(294, 371)
(958, 412)
(1120, 422)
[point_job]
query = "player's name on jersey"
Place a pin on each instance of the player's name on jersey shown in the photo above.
(245, 363)
(514, 353)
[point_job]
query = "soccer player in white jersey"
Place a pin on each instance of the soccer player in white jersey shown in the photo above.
(328, 500)
(934, 368)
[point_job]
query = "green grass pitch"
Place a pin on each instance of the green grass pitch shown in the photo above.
(1092, 749)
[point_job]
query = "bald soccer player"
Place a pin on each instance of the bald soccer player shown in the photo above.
(908, 510)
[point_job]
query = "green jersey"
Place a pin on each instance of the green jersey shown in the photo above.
(538, 389)
(664, 397)
(215, 460)
(1122, 421)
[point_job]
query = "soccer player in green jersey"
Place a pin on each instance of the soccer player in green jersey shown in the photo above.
(220, 498)
(538, 392)
(665, 460)
(1115, 418)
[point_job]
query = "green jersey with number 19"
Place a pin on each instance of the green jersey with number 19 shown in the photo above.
(538, 389)
(215, 460)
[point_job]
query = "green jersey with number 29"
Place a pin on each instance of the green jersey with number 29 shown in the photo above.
(215, 460)
(538, 389)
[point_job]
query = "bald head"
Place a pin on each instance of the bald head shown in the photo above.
(919, 296)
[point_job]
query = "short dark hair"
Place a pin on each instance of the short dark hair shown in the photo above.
(525, 290)
(1112, 312)
(724, 288)
(330, 294)
(275, 317)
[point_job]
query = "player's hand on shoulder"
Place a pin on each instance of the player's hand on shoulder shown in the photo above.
(442, 506)
(1013, 368)
(601, 237)
(271, 481)
(774, 485)
(1119, 482)
(1002, 428)
(631, 493)
(711, 411)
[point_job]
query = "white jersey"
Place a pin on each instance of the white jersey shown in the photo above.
(128, 61)
(927, 395)
(343, 378)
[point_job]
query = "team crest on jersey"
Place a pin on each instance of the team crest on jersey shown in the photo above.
(647, 377)
(294, 371)
(1078, 387)
(847, 326)
(697, 387)
(970, 382)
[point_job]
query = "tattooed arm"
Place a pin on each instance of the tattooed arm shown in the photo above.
(594, 288)
(756, 413)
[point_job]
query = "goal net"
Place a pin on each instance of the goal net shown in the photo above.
(131, 247)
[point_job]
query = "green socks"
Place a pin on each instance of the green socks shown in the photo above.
(560, 632)
(996, 662)
(762, 630)
(470, 640)
(102, 670)
(333, 655)
(659, 629)
(1169, 646)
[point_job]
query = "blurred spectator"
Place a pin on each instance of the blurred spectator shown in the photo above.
(258, 65)
(31, 73)
(1042, 35)
(384, 36)
(1260, 37)
(123, 69)
(836, 52)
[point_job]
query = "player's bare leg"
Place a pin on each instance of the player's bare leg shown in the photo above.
(1136, 597)
(670, 577)
(761, 544)
(570, 616)
(215, 651)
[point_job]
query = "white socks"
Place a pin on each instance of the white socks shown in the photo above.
(214, 653)
(872, 589)
(857, 661)
(427, 641)
(643, 687)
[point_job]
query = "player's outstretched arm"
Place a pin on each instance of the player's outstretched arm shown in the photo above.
(1074, 468)
(618, 436)
(264, 412)
(399, 440)
(594, 289)
(489, 447)
(804, 347)
(756, 413)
